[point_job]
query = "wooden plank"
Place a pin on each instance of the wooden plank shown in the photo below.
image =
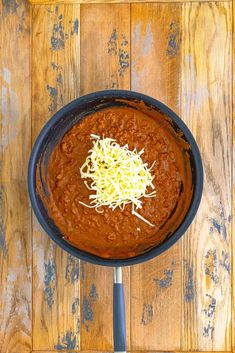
(130, 351)
(206, 104)
(55, 81)
(109, 67)
(44, 2)
(233, 184)
(15, 139)
(67, 351)
(155, 70)
(104, 64)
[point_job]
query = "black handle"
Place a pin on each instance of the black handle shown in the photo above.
(119, 317)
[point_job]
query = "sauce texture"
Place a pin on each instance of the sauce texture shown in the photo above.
(119, 234)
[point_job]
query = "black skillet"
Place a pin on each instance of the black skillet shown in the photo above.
(52, 133)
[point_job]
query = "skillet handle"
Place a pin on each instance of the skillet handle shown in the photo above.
(119, 317)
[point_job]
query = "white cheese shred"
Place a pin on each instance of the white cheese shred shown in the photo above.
(142, 218)
(117, 176)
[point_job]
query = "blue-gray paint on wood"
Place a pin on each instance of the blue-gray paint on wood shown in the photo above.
(112, 42)
(173, 40)
(123, 61)
(53, 93)
(78, 325)
(49, 282)
(58, 36)
(68, 341)
(75, 27)
(83, 270)
(208, 331)
(211, 265)
(3, 205)
(87, 313)
(209, 312)
(93, 295)
(211, 306)
(75, 305)
(55, 66)
(72, 270)
(216, 225)
(224, 261)
(3, 246)
(166, 280)
(117, 45)
(219, 224)
(59, 79)
(189, 292)
(10, 6)
(147, 314)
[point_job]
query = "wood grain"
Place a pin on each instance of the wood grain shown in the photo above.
(108, 1)
(55, 81)
(105, 61)
(155, 69)
(142, 351)
(206, 104)
(180, 53)
(233, 184)
(105, 43)
(15, 138)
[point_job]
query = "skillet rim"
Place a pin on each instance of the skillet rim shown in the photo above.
(198, 182)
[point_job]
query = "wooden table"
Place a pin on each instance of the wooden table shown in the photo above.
(178, 52)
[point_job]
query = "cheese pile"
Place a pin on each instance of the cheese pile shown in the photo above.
(117, 175)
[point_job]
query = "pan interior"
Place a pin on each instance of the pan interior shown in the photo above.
(50, 139)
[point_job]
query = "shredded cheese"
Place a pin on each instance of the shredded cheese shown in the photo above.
(117, 175)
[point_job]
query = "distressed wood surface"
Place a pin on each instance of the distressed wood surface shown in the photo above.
(206, 107)
(233, 186)
(179, 53)
(105, 58)
(15, 138)
(108, 1)
(155, 70)
(55, 81)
